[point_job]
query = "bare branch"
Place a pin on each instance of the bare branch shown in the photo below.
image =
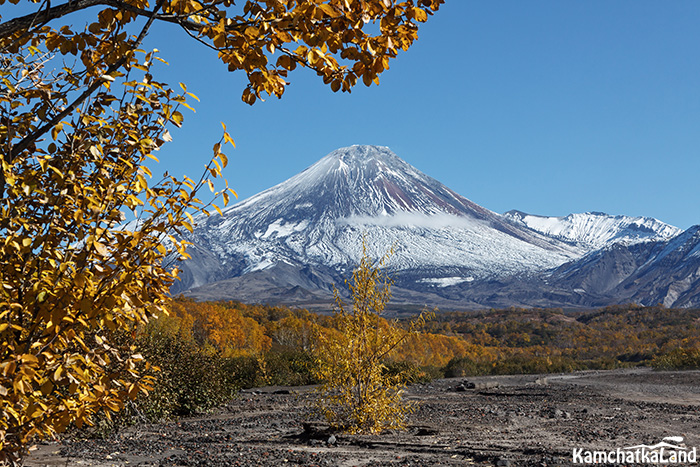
(41, 17)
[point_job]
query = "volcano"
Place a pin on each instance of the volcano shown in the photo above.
(295, 241)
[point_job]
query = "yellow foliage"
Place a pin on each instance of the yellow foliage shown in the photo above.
(293, 332)
(343, 41)
(427, 349)
(356, 394)
(221, 327)
(80, 116)
(75, 282)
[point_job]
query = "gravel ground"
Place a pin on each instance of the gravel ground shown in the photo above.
(485, 421)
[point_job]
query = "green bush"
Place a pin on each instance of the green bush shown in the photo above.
(191, 379)
(188, 380)
(247, 371)
(520, 365)
(289, 368)
(275, 368)
(534, 365)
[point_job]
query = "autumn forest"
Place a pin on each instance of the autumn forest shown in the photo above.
(256, 345)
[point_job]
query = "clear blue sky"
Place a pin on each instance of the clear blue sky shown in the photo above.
(549, 107)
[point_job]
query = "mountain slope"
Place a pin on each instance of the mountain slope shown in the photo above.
(671, 276)
(648, 273)
(593, 230)
(319, 217)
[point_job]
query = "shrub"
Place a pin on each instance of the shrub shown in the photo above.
(190, 378)
(290, 368)
(463, 366)
(247, 371)
(678, 359)
(358, 395)
(410, 373)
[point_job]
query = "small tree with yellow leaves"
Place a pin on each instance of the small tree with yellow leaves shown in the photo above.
(357, 394)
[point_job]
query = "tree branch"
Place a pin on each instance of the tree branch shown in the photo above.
(44, 16)
(36, 134)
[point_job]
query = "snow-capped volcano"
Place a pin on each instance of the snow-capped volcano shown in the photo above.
(320, 217)
(293, 242)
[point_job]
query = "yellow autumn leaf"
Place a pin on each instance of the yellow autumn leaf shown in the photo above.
(177, 118)
(100, 249)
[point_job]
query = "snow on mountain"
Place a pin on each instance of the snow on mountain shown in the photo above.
(593, 230)
(648, 273)
(293, 242)
(320, 216)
